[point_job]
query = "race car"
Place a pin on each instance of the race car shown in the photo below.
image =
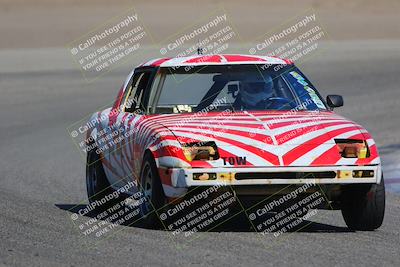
(253, 123)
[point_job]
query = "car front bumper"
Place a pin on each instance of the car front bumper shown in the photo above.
(179, 180)
(183, 178)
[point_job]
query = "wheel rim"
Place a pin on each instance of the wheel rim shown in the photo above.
(147, 187)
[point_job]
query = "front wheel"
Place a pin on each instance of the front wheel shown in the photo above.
(363, 206)
(152, 191)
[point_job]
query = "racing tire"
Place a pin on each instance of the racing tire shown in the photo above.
(363, 206)
(97, 184)
(152, 190)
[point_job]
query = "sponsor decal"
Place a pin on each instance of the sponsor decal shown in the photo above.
(234, 160)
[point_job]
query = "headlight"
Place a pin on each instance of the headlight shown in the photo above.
(351, 148)
(200, 151)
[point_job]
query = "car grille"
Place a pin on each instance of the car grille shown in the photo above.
(284, 175)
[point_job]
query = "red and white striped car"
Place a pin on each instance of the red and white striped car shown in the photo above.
(250, 122)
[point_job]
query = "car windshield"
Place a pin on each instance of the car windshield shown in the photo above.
(237, 87)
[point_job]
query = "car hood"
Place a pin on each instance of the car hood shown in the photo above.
(302, 138)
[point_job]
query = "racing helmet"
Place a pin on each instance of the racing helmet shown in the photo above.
(255, 88)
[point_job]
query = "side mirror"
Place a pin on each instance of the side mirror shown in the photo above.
(334, 101)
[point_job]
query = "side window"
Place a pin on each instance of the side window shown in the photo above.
(128, 90)
(134, 101)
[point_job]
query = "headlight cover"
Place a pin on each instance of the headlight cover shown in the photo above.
(352, 148)
(200, 151)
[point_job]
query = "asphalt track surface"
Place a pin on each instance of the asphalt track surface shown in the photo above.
(42, 175)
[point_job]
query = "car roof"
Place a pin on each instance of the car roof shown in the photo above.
(220, 59)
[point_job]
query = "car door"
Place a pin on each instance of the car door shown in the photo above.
(134, 106)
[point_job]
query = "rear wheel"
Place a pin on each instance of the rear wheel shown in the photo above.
(152, 190)
(97, 184)
(363, 206)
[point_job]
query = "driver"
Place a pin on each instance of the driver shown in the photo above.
(255, 91)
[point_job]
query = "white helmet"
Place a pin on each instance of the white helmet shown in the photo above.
(255, 89)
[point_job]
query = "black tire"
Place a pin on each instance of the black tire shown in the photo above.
(97, 184)
(363, 206)
(150, 186)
